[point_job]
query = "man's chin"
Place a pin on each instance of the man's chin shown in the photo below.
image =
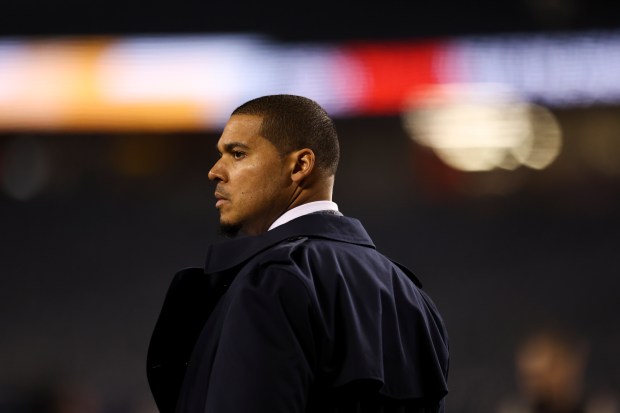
(229, 230)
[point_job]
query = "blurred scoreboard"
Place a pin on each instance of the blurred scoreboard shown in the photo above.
(194, 82)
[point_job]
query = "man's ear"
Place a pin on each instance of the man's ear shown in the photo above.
(303, 166)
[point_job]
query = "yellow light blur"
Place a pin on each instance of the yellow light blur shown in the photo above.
(56, 84)
(483, 127)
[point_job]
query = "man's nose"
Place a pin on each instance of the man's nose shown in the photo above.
(216, 173)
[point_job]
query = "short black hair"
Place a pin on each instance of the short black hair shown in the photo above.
(295, 122)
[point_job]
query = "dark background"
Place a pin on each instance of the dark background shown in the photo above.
(300, 21)
(85, 262)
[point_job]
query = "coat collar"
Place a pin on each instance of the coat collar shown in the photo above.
(228, 254)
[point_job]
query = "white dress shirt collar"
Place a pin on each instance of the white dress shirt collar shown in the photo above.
(303, 209)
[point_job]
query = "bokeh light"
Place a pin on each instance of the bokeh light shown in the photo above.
(483, 127)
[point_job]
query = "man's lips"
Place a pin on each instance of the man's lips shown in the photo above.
(220, 199)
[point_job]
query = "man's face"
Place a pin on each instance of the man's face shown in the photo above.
(253, 181)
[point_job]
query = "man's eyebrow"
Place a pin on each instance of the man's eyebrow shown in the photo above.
(234, 145)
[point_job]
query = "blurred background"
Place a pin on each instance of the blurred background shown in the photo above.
(480, 147)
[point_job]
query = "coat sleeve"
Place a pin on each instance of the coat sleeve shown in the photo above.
(265, 353)
(189, 301)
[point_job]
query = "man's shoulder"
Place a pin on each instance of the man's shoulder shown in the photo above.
(317, 248)
(315, 258)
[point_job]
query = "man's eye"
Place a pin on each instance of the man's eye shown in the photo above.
(238, 154)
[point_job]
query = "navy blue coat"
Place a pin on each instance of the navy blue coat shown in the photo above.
(307, 317)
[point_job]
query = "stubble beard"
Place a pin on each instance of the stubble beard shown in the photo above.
(229, 230)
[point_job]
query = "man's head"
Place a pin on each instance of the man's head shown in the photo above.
(277, 152)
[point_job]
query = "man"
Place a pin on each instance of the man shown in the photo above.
(301, 313)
